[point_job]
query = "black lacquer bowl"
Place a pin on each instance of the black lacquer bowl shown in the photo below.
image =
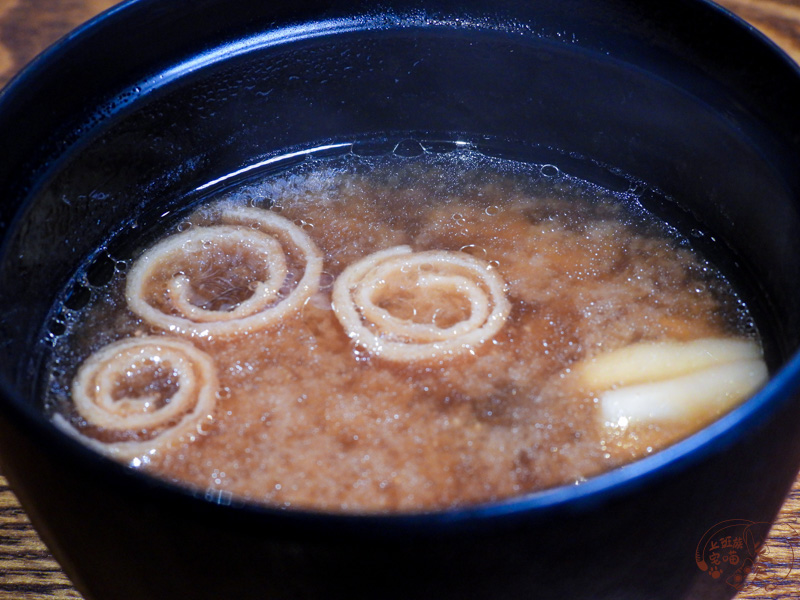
(134, 113)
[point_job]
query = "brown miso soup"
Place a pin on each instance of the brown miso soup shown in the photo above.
(401, 334)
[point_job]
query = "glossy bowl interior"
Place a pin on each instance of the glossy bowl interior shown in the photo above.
(157, 103)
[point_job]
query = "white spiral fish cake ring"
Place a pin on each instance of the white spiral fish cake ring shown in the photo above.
(143, 394)
(435, 277)
(245, 255)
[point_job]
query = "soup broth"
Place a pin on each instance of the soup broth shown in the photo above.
(390, 333)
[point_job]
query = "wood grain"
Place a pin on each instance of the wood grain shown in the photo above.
(29, 26)
(778, 19)
(28, 572)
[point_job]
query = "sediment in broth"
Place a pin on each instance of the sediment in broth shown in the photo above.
(307, 412)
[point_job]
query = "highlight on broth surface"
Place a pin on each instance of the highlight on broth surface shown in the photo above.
(393, 333)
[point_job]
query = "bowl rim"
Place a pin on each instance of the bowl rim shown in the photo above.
(781, 389)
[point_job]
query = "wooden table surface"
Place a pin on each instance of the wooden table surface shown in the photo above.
(28, 572)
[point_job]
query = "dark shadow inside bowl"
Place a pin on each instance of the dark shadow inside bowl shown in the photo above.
(600, 91)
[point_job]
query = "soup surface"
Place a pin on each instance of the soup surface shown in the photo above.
(374, 334)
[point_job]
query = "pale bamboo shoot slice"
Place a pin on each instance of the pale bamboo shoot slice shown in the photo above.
(654, 361)
(712, 390)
